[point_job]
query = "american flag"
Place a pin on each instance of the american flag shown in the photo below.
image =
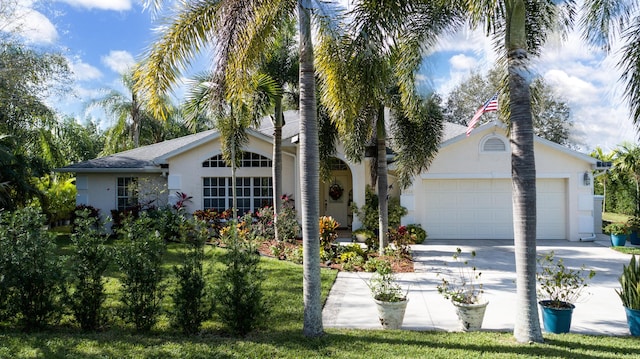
(490, 105)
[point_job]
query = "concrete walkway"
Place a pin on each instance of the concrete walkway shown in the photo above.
(599, 311)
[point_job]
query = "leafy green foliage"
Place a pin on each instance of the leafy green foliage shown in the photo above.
(557, 283)
(240, 302)
(190, 305)
(30, 270)
(88, 264)
(368, 214)
(139, 257)
(629, 291)
(418, 234)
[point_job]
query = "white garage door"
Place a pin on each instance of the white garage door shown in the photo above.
(481, 209)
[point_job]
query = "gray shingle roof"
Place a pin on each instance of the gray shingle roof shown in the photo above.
(141, 157)
(152, 156)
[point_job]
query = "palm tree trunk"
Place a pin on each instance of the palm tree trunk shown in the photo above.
(309, 178)
(234, 198)
(383, 182)
(523, 173)
(277, 165)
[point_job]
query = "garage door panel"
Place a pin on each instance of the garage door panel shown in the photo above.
(482, 209)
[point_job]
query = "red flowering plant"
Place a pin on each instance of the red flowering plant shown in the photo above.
(402, 239)
(182, 200)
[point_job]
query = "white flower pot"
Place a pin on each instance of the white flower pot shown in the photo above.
(391, 314)
(470, 316)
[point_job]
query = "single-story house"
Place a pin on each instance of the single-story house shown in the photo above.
(465, 194)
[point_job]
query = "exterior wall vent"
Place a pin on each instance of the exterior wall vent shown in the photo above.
(494, 144)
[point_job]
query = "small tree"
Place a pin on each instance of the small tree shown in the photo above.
(140, 260)
(88, 264)
(30, 270)
(238, 290)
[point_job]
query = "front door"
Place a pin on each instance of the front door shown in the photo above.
(337, 198)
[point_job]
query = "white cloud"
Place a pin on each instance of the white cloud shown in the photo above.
(117, 5)
(462, 62)
(84, 71)
(119, 61)
(31, 24)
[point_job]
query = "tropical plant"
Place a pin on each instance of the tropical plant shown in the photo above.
(368, 67)
(368, 214)
(384, 287)
(241, 32)
(561, 286)
(629, 279)
(628, 160)
(465, 285)
(328, 226)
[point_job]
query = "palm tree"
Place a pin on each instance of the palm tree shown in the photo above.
(605, 157)
(365, 70)
(606, 21)
(125, 108)
(281, 64)
(240, 31)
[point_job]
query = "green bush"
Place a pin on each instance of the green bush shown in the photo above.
(238, 292)
(30, 270)
(88, 264)
(368, 214)
(418, 234)
(190, 307)
(629, 291)
(139, 257)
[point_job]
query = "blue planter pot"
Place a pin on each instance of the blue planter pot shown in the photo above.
(633, 320)
(618, 240)
(556, 320)
(633, 238)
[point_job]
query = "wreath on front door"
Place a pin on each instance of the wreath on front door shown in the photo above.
(335, 191)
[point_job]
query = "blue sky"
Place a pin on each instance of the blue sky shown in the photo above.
(102, 38)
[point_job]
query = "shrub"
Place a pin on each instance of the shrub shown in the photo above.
(402, 239)
(629, 279)
(368, 214)
(88, 263)
(139, 257)
(328, 234)
(30, 270)
(418, 234)
(190, 307)
(617, 228)
(264, 225)
(558, 284)
(288, 226)
(238, 293)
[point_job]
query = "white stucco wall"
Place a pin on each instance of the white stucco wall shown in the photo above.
(463, 158)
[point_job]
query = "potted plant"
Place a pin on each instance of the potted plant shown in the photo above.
(634, 227)
(561, 287)
(389, 297)
(362, 234)
(629, 293)
(465, 292)
(618, 233)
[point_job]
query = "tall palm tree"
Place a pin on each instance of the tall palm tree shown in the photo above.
(520, 28)
(281, 64)
(240, 31)
(370, 66)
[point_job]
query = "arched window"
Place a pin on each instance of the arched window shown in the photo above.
(494, 144)
(249, 159)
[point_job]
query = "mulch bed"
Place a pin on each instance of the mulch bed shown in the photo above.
(399, 265)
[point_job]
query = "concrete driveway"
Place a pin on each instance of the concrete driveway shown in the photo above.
(598, 312)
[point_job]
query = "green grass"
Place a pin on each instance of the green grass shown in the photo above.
(627, 250)
(615, 217)
(281, 336)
